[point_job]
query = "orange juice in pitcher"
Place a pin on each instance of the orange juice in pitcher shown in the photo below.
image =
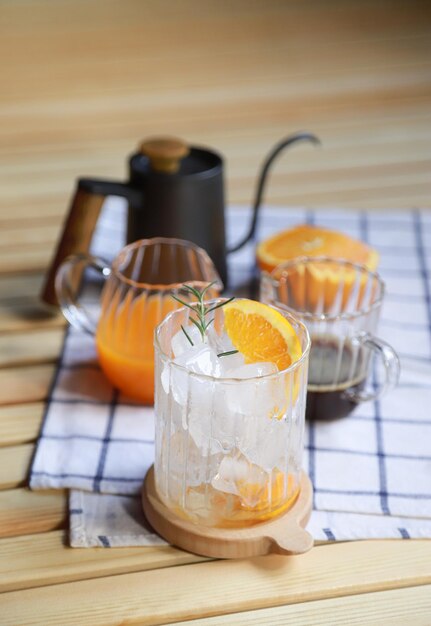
(124, 340)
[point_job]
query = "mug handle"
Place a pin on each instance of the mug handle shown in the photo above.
(66, 291)
(391, 365)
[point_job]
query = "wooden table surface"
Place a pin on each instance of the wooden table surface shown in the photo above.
(82, 82)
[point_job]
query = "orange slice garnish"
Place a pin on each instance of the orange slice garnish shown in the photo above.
(261, 333)
(308, 240)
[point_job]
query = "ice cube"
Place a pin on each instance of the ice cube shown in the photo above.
(231, 362)
(211, 426)
(219, 343)
(251, 370)
(200, 359)
(180, 343)
(266, 443)
(186, 465)
(223, 415)
(239, 477)
(258, 395)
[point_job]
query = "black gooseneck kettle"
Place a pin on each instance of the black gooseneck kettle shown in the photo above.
(173, 191)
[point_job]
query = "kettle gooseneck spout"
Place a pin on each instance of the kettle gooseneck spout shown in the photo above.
(284, 143)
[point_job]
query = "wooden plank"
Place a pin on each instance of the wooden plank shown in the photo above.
(20, 306)
(307, 96)
(40, 235)
(301, 57)
(28, 314)
(246, 150)
(369, 27)
(42, 346)
(222, 587)
(341, 153)
(331, 92)
(392, 195)
(241, 69)
(25, 384)
(50, 210)
(359, 76)
(23, 260)
(39, 560)
(14, 465)
(385, 608)
(404, 122)
(24, 512)
(20, 423)
(19, 286)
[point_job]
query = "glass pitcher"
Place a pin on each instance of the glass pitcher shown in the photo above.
(137, 295)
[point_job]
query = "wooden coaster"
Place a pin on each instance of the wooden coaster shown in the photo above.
(282, 535)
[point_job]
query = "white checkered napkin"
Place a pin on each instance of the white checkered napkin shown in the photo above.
(110, 521)
(371, 471)
(93, 438)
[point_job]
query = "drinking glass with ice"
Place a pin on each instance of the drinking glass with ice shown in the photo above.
(229, 406)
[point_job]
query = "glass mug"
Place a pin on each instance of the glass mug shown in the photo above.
(228, 450)
(340, 304)
(135, 298)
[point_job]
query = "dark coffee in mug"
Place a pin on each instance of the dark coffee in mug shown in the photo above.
(335, 367)
(340, 303)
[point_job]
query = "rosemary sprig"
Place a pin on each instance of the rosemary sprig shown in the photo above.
(187, 335)
(229, 352)
(201, 311)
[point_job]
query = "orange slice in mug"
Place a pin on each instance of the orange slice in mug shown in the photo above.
(308, 240)
(319, 287)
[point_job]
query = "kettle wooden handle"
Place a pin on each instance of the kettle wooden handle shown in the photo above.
(81, 223)
(77, 234)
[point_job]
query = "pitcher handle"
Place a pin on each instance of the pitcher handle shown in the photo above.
(391, 364)
(75, 313)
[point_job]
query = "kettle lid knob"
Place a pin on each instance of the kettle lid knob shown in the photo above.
(164, 153)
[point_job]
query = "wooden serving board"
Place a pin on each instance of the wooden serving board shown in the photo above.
(283, 535)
